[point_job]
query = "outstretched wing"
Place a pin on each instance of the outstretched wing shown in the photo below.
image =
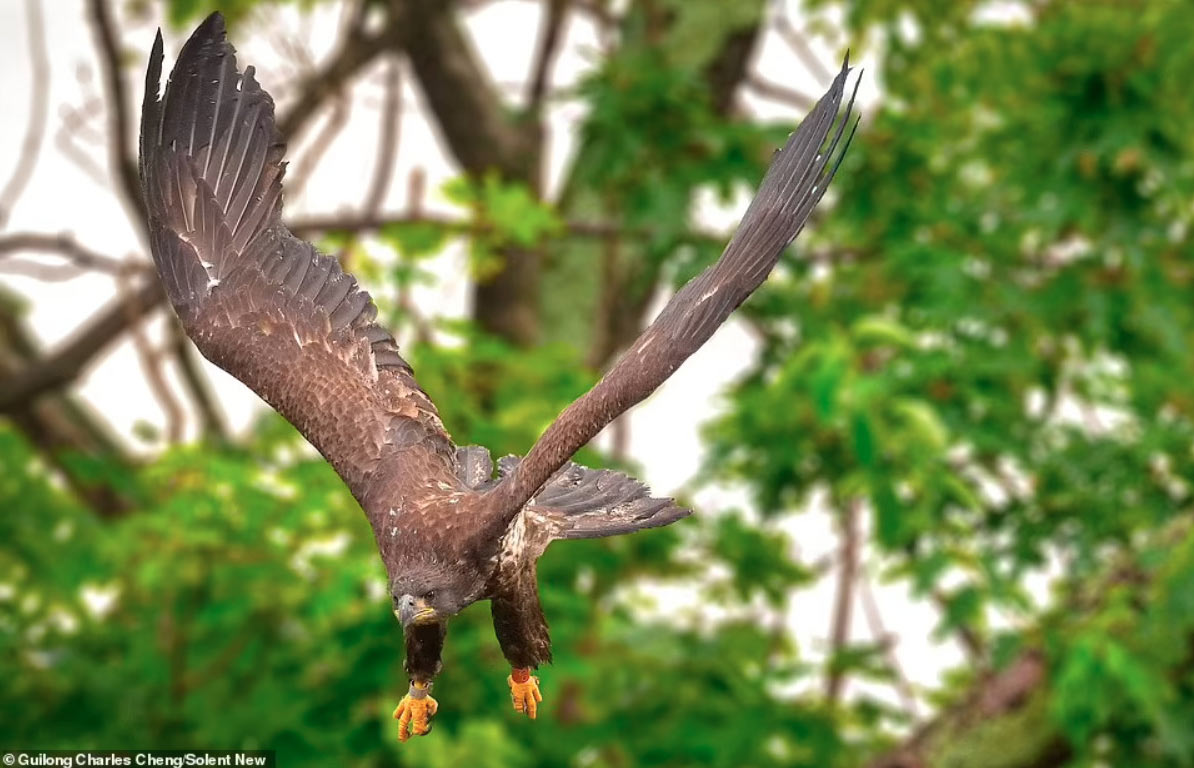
(258, 302)
(791, 189)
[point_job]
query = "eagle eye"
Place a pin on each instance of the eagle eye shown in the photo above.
(430, 595)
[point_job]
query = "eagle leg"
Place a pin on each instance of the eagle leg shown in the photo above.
(524, 691)
(415, 711)
(522, 632)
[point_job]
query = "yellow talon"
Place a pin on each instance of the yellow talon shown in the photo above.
(415, 711)
(524, 691)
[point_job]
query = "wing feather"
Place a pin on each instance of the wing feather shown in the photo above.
(260, 303)
(792, 187)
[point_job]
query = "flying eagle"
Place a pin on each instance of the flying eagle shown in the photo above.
(287, 321)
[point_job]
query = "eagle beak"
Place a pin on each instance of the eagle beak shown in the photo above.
(415, 610)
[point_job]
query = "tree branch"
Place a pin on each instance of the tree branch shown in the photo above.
(337, 119)
(969, 733)
(39, 100)
(847, 577)
(151, 366)
(800, 47)
(780, 93)
(65, 364)
(66, 246)
(466, 106)
(357, 50)
(387, 144)
(310, 226)
(59, 425)
(870, 608)
(121, 156)
(549, 39)
(211, 420)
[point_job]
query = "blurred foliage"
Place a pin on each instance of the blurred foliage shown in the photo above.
(987, 343)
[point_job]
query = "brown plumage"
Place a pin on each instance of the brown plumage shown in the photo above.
(288, 322)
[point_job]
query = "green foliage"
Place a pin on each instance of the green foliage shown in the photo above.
(998, 360)
(505, 214)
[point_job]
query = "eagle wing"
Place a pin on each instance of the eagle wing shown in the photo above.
(793, 186)
(260, 303)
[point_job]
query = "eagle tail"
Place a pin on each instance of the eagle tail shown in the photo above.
(585, 503)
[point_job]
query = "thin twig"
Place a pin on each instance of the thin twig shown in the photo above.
(598, 10)
(780, 93)
(416, 184)
(387, 143)
(337, 119)
(120, 152)
(151, 366)
(310, 225)
(211, 420)
(65, 364)
(874, 618)
(66, 246)
(847, 578)
(549, 39)
(39, 92)
(800, 47)
(74, 124)
(357, 50)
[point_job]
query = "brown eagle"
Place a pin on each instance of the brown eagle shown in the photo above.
(286, 320)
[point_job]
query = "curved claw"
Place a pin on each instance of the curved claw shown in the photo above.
(415, 711)
(524, 692)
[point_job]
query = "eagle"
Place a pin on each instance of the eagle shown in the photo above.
(290, 323)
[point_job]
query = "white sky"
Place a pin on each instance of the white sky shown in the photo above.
(664, 439)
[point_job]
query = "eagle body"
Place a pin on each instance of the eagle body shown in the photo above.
(287, 321)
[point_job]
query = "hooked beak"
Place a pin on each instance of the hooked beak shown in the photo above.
(415, 610)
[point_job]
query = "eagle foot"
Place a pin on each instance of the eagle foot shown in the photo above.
(415, 711)
(524, 691)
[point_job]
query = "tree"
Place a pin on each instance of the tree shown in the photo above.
(979, 358)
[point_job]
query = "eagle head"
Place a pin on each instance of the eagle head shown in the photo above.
(429, 593)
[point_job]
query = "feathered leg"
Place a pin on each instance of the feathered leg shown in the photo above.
(424, 644)
(522, 633)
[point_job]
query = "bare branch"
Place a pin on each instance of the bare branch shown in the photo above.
(387, 145)
(475, 124)
(357, 50)
(39, 93)
(870, 607)
(151, 366)
(66, 246)
(64, 365)
(59, 425)
(121, 156)
(337, 119)
(211, 419)
(308, 226)
(780, 93)
(549, 39)
(994, 695)
(799, 46)
(74, 123)
(847, 578)
(415, 187)
(600, 12)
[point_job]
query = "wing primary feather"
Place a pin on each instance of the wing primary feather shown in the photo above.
(211, 163)
(790, 190)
